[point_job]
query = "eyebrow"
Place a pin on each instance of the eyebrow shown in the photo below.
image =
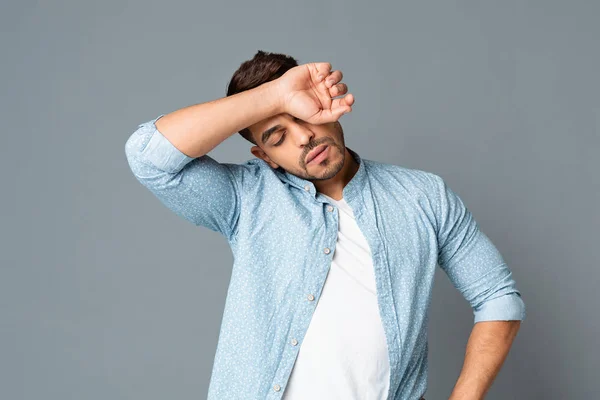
(267, 134)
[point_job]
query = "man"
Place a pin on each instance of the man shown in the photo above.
(334, 254)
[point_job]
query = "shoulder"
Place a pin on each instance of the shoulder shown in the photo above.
(412, 179)
(254, 174)
(249, 169)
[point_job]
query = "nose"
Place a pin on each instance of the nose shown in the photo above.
(303, 135)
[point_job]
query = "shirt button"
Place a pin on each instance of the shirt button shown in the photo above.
(329, 208)
(311, 297)
(294, 342)
(326, 250)
(307, 188)
(276, 388)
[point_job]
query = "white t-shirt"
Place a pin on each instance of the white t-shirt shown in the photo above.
(344, 353)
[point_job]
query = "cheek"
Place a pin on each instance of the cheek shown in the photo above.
(284, 156)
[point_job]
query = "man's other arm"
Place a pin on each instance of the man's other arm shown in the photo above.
(477, 269)
(472, 262)
(487, 349)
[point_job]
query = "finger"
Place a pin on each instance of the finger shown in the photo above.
(333, 78)
(322, 70)
(338, 89)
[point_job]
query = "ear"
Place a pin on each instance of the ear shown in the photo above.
(259, 153)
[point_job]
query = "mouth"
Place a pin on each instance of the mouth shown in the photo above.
(316, 153)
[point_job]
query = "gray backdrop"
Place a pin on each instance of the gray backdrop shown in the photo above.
(105, 294)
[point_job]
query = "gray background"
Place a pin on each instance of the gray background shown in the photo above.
(105, 294)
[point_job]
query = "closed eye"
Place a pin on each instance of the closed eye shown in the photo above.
(281, 140)
(296, 119)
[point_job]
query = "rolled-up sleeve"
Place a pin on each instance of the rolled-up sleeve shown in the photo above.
(201, 190)
(472, 262)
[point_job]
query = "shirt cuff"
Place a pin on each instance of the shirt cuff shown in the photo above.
(509, 307)
(162, 153)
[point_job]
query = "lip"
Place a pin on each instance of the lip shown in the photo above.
(316, 152)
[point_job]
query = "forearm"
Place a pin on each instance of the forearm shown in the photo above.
(487, 348)
(196, 130)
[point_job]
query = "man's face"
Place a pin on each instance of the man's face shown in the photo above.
(285, 141)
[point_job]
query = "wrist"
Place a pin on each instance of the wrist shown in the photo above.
(276, 95)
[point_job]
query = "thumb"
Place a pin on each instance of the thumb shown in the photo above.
(339, 111)
(326, 116)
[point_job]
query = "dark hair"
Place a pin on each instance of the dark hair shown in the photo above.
(263, 67)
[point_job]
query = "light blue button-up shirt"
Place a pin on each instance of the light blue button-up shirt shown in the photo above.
(283, 234)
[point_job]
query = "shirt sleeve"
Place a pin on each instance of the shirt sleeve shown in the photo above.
(201, 190)
(472, 262)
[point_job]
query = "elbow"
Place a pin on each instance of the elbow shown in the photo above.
(134, 149)
(134, 143)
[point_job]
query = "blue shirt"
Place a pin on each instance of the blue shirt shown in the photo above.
(282, 234)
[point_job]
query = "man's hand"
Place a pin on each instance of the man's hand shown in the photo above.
(307, 93)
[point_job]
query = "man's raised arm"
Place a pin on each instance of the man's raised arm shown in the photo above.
(168, 154)
(196, 130)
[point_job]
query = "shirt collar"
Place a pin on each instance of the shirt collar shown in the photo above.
(350, 191)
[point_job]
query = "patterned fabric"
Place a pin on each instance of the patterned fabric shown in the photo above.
(282, 234)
